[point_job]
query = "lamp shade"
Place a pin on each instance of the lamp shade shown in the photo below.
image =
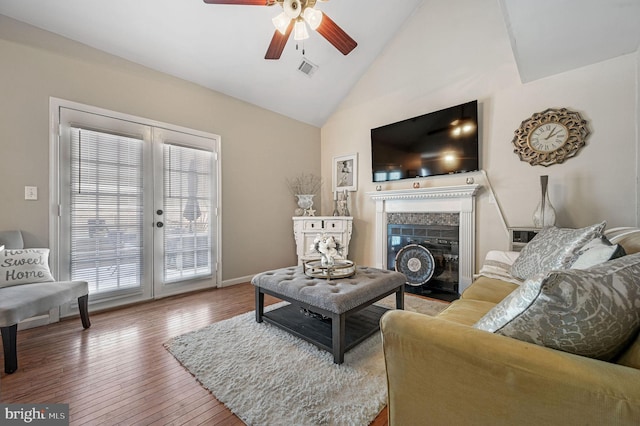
(313, 17)
(281, 22)
(300, 31)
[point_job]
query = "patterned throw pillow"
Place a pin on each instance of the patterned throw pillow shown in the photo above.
(592, 313)
(24, 266)
(553, 248)
(596, 252)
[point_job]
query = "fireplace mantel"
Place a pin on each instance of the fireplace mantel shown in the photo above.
(461, 191)
(444, 199)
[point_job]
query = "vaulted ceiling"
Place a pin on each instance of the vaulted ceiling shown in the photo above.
(553, 36)
(222, 47)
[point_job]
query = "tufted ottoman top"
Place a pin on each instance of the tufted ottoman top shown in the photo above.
(337, 295)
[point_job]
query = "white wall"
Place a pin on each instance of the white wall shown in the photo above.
(453, 52)
(260, 149)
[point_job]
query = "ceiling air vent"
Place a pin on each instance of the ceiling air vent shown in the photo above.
(307, 68)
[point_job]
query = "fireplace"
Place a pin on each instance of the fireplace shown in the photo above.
(443, 209)
(424, 247)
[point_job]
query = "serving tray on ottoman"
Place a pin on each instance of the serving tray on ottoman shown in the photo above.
(334, 315)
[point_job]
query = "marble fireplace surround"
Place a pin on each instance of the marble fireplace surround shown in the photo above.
(445, 199)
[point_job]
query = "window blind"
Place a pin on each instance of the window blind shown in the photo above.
(188, 175)
(106, 210)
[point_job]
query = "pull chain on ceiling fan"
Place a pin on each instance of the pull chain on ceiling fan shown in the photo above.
(295, 16)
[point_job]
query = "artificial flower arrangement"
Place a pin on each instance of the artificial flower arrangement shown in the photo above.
(328, 248)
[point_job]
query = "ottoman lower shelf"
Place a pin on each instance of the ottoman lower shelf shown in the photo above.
(358, 326)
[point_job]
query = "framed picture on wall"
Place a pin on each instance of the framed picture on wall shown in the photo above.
(345, 173)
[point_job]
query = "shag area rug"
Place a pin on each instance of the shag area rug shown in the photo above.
(267, 376)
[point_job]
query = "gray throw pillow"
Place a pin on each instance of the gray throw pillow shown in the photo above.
(594, 312)
(553, 248)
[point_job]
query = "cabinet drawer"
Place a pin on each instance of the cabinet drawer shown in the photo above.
(313, 225)
(336, 225)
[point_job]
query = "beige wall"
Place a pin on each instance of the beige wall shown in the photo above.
(259, 148)
(448, 55)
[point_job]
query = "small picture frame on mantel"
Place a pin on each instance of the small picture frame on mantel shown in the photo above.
(345, 173)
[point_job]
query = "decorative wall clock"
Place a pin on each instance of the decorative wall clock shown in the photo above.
(550, 137)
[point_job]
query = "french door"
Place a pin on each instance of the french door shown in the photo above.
(135, 205)
(184, 212)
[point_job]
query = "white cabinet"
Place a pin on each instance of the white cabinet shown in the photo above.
(306, 228)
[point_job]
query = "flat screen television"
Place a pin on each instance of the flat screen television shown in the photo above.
(438, 143)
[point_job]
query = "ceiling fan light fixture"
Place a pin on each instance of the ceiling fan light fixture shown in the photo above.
(281, 22)
(300, 31)
(292, 8)
(313, 17)
(296, 15)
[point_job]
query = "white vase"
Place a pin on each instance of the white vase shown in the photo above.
(544, 214)
(305, 201)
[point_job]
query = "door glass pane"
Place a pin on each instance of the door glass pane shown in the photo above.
(188, 174)
(106, 210)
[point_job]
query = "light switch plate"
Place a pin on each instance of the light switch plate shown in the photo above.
(31, 193)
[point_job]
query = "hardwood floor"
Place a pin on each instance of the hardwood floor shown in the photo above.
(117, 372)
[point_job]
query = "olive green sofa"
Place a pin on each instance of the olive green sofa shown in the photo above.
(444, 370)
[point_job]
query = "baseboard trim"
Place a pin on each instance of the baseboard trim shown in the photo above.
(234, 281)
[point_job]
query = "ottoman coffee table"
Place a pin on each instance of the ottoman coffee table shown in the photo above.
(335, 314)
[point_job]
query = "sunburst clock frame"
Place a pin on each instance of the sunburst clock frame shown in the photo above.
(550, 137)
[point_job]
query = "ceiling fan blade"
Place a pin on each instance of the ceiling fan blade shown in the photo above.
(278, 42)
(242, 2)
(336, 35)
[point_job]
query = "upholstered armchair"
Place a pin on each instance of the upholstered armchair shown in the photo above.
(27, 289)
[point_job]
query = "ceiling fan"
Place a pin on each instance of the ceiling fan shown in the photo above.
(293, 17)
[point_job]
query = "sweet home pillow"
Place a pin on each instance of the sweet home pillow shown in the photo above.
(596, 252)
(23, 266)
(553, 248)
(592, 313)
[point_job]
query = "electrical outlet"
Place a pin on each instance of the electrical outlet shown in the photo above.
(31, 193)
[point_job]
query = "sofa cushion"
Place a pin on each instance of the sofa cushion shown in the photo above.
(24, 266)
(553, 248)
(593, 312)
(488, 289)
(21, 302)
(466, 311)
(596, 252)
(631, 355)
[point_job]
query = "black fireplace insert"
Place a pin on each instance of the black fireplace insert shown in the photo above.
(427, 255)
